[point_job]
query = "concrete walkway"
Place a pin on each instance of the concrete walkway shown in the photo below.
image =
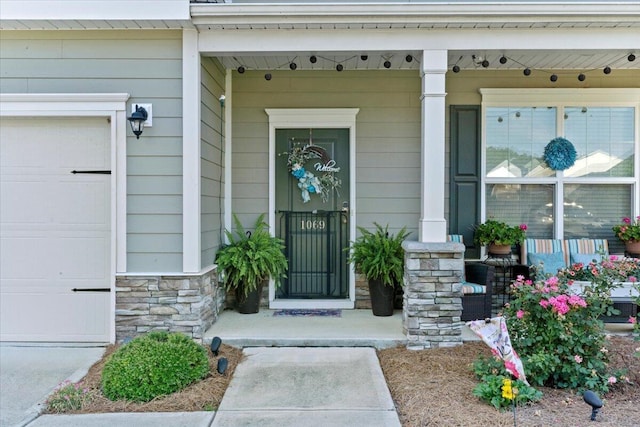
(336, 386)
(29, 373)
(307, 387)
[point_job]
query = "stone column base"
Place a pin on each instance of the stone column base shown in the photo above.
(433, 294)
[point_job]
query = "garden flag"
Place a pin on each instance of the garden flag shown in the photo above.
(494, 333)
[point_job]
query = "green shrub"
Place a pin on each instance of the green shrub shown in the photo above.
(153, 365)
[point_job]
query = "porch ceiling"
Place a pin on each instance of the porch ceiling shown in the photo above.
(516, 60)
(295, 30)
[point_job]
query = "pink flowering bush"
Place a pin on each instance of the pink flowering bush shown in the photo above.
(67, 397)
(605, 273)
(558, 335)
(635, 321)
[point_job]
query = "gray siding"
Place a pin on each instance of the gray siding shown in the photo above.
(212, 158)
(387, 132)
(147, 65)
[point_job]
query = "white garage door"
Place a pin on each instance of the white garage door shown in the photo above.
(54, 229)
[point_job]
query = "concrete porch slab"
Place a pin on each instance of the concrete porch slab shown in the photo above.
(356, 328)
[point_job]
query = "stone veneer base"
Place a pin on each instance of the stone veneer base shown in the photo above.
(433, 294)
(189, 304)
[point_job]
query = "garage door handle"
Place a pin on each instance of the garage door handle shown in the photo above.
(91, 290)
(93, 172)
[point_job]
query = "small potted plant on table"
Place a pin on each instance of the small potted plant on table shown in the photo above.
(629, 233)
(379, 257)
(250, 259)
(499, 236)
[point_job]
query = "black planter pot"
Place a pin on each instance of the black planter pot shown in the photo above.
(381, 298)
(249, 303)
(398, 296)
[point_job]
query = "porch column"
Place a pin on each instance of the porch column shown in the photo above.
(190, 152)
(432, 227)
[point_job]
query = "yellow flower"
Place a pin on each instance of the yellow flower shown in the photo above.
(507, 391)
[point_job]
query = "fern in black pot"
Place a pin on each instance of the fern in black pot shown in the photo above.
(379, 256)
(249, 260)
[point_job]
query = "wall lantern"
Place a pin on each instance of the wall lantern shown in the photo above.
(137, 119)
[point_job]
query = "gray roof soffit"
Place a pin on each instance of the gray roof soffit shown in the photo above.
(424, 13)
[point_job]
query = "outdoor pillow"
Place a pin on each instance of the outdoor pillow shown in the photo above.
(585, 258)
(552, 261)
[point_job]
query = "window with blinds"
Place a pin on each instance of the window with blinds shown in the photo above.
(585, 200)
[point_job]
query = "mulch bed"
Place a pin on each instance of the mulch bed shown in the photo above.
(204, 395)
(429, 388)
(434, 388)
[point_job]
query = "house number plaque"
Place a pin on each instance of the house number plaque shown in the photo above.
(313, 224)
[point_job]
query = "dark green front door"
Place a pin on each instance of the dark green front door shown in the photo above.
(312, 203)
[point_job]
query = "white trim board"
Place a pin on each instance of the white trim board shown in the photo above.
(288, 118)
(113, 106)
(191, 156)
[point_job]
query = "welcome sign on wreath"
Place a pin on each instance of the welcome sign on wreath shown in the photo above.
(309, 183)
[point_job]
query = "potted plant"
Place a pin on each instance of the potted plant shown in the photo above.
(499, 236)
(379, 257)
(248, 260)
(629, 233)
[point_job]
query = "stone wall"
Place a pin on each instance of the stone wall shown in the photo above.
(186, 304)
(433, 294)
(363, 298)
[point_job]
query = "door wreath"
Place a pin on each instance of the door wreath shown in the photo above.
(309, 183)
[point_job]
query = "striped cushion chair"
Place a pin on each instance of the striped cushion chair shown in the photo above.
(476, 287)
(573, 250)
(586, 250)
(536, 251)
(456, 238)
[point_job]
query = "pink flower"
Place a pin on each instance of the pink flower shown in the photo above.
(613, 380)
(561, 308)
(577, 358)
(523, 227)
(613, 258)
(553, 280)
(575, 300)
(544, 303)
(520, 314)
(633, 279)
(633, 320)
(626, 220)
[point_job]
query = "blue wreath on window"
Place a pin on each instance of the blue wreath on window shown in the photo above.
(559, 154)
